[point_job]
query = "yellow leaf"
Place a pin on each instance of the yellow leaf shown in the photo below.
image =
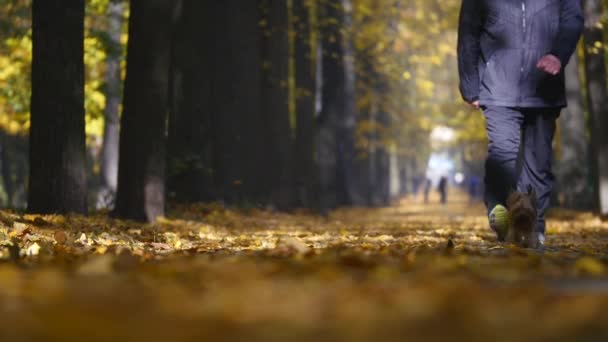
(33, 250)
(590, 266)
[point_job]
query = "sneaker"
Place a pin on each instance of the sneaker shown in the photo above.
(541, 240)
(499, 221)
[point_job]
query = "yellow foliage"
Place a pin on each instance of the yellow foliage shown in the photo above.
(425, 87)
(15, 62)
(412, 48)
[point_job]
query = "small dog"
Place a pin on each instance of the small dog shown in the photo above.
(522, 208)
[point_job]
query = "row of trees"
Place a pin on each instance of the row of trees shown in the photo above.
(237, 101)
(295, 103)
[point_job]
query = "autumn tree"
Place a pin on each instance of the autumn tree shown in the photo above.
(597, 97)
(15, 98)
(373, 88)
(141, 175)
(57, 182)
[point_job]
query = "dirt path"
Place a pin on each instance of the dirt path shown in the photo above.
(409, 272)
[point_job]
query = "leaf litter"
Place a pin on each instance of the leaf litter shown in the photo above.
(410, 271)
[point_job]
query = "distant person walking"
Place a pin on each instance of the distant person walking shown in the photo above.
(473, 188)
(443, 189)
(427, 189)
(511, 57)
(416, 180)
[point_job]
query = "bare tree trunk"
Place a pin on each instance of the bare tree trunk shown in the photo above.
(383, 160)
(111, 131)
(57, 182)
(141, 174)
(305, 62)
(7, 173)
(338, 109)
(573, 167)
(190, 160)
(275, 93)
(595, 71)
(235, 101)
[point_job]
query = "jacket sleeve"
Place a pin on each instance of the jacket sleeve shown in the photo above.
(469, 31)
(570, 28)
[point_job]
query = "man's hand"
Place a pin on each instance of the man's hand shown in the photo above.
(474, 104)
(550, 64)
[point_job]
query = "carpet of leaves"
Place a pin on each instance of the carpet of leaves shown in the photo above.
(408, 272)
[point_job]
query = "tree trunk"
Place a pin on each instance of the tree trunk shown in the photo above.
(305, 64)
(57, 182)
(338, 106)
(141, 174)
(384, 163)
(573, 167)
(379, 159)
(7, 170)
(595, 71)
(275, 94)
(234, 87)
(372, 165)
(111, 131)
(190, 162)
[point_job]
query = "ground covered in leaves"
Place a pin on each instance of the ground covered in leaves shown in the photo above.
(411, 271)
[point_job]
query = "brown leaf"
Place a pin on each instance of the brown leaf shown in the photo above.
(160, 245)
(39, 221)
(450, 245)
(60, 237)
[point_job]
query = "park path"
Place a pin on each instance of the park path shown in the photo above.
(412, 271)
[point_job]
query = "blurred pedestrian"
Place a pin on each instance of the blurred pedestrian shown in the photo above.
(473, 188)
(416, 180)
(443, 189)
(427, 189)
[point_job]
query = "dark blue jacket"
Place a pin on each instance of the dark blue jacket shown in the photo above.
(500, 43)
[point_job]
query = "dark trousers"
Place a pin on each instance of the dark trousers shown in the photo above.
(520, 154)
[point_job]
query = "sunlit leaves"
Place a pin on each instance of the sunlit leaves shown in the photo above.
(408, 49)
(15, 64)
(15, 61)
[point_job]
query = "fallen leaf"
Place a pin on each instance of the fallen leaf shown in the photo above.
(97, 265)
(39, 221)
(83, 239)
(19, 226)
(289, 244)
(19, 230)
(101, 249)
(450, 245)
(33, 250)
(589, 266)
(160, 245)
(134, 231)
(60, 237)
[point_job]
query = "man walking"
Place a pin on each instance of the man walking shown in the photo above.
(511, 54)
